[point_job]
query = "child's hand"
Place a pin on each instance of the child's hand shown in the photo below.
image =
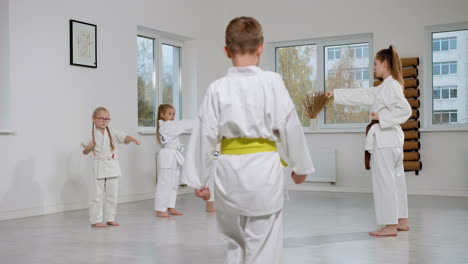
(91, 146)
(203, 193)
(329, 94)
(137, 142)
(298, 178)
(374, 116)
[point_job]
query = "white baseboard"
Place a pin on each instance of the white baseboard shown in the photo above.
(57, 208)
(463, 192)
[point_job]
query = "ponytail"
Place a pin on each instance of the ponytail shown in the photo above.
(94, 139)
(110, 137)
(392, 58)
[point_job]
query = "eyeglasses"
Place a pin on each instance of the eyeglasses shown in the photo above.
(103, 119)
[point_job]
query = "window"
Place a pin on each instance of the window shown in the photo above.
(444, 92)
(312, 65)
(444, 44)
(448, 81)
(159, 77)
(298, 67)
(146, 72)
(445, 116)
(171, 76)
(348, 72)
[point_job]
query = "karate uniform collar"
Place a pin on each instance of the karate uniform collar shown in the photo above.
(388, 79)
(249, 70)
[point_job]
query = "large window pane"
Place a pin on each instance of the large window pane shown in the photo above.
(146, 81)
(450, 79)
(171, 76)
(298, 67)
(348, 72)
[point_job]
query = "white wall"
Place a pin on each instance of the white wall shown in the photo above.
(397, 22)
(41, 167)
(4, 65)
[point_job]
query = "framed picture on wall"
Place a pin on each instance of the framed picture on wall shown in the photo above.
(83, 44)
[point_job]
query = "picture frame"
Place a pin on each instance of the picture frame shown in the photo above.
(83, 44)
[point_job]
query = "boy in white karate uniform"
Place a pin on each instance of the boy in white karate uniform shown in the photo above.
(248, 111)
(101, 142)
(389, 108)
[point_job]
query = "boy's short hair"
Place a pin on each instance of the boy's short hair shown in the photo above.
(243, 35)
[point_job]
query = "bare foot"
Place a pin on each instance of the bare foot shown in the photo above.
(99, 225)
(210, 207)
(113, 223)
(173, 211)
(403, 224)
(388, 230)
(162, 214)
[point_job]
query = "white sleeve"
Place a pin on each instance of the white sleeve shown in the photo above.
(294, 145)
(292, 141)
(172, 129)
(118, 136)
(354, 96)
(397, 110)
(202, 142)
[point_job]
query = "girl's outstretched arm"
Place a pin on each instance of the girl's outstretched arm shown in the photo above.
(129, 139)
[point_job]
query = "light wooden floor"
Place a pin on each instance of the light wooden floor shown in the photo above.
(319, 227)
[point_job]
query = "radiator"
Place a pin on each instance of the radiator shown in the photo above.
(325, 165)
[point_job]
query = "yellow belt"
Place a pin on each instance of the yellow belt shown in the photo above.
(242, 146)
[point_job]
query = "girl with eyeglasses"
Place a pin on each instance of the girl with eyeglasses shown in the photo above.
(101, 142)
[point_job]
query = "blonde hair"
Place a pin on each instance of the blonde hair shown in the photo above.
(95, 113)
(161, 110)
(243, 35)
(392, 58)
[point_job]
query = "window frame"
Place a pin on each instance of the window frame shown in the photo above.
(427, 103)
(160, 40)
(321, 44)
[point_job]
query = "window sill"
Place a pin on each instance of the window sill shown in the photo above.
(144, 132)
(333, 131)
(147, 131)
(7, 132)
(444, 129)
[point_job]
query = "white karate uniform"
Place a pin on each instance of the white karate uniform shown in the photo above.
(170, 160)
(103, 202)
(385, 141)
(248, 103)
